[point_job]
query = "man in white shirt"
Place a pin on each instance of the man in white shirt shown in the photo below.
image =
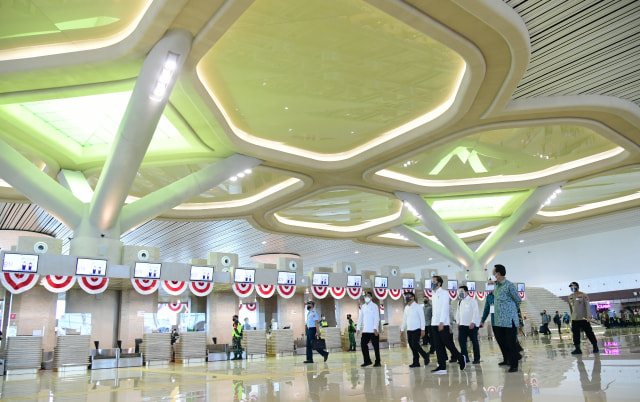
(368, 324)
(468, 318)
(413, 323)
(443, 336)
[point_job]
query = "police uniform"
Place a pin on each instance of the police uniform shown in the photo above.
(580, 313)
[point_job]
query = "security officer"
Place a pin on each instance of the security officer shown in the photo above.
(237, 339)
(311, 326)
(580, 318)
(351, 328)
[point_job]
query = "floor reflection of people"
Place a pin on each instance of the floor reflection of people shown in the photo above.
(516, 388)
(475, 389)
(374, 385)
(317, 381)
(592, 389)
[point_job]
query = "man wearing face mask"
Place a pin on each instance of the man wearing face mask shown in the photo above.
(413, 323)
(311, 326)
(580, 318)
(468, 318)
(443, 337)
(237, 339)
(368, 324)
(506, 303)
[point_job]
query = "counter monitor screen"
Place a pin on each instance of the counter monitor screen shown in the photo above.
(520, 287)
(27, 263)
(408, 283)
(201, 273)
(243, 275)
(91, 267)
(286, 278)
(354, 281)
(471, 286)
(452, 285)
(490, 287)
(147, 270)
(380, 282)
(320, 280)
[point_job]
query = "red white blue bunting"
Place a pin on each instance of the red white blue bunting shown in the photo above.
(145, 286)
(174, 288)
(16, 282)
(93, 284)
(58, 283)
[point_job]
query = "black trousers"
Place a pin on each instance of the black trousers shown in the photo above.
(311, 334)
(444, 340)
(364, 345)
(559, 327)
(508, 341)
(463, 333)
(413, 338)
(582, 325)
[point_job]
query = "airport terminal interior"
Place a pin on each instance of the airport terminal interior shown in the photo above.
(168, 164)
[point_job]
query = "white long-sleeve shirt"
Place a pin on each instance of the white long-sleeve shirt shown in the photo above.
(468, 312)
(413, 317)
(440, 310)
(369, 318)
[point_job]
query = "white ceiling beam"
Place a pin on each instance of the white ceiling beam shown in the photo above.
(419, 238)
(75, 182)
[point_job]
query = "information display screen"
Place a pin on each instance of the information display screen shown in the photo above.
(380, 282)
(244, 275)
(408, 283)
(286, 278)
(490, 287)
(27, 263)
(471, 286)
(520, 287)
(320, 280)
(452, 285)
(354, 281)
(201, 273)
(91, 267)
(147, 270)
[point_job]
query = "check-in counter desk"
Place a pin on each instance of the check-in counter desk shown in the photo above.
(391, 335)
(156, 348)
(254, 342)
(129, 358)
(280, 342)
(104, 358)
(71, 353)
(23, 354)
(191, 347)
(331, 336)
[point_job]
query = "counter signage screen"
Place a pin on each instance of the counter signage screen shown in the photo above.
(452, 285)
(490, 287)
(147, 270)
(380, 282)
(427, 283)
(201, 273)
(407, 283)
(243, 275)
(471, 286)
(320, 280)
(354, 281)
(286, 278)
(27, 263)
(91, 267)
(520, 287)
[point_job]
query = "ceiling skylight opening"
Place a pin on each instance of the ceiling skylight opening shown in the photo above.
(591, 206)
(469, 208)
(338, 228)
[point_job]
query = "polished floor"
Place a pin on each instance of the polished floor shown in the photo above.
(549, 372)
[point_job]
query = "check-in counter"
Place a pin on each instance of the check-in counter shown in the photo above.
(191, 347)
(104, 358)
(331, 336)
(392, 335)
(156, 348)
(280, 342)
(23, 354)
(254, 342)
(71, 353)
(129, 358)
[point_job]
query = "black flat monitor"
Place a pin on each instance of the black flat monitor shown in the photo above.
(244, 275)
(380, 282)
(91, 267)
(201, 273)
(408, 283)
(147, 270)
(520, 287)
(14, 262)
(286, 278)
(452, 285)
(320, 280)
(354, 281)
(471, 285)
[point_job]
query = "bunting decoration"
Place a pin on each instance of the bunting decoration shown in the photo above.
(471, 293)
(320, 292)
(16, 282)
(521, 294)
(453, 294)
(58, 283)
(481, 295)
(145, 286)
(251, 306)
(174, 288)
(381, 294)
(242, 289)
(354, 293)
(93, 284)
(201, 288)
(428, 293)
(175, 306)
(265, 291)
(338, 293)
(395, 293)
(286, 291)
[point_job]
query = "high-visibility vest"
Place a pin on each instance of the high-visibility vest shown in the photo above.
(237, 330)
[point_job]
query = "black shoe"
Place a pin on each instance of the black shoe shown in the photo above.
(426, 362)
(365, 364)
(326, 356)
(576, 352)
(462, 362)
(414, 365)
(439, 370)
(505, 363)
(453, 360)
(513, 369)
(476, 362)
(377, 364)
(308, 361)
(596, 350)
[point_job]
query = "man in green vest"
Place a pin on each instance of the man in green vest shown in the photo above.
(237, 339)
(351, 328)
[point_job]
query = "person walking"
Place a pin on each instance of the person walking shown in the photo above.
(558, 321)
(468, 319)
(506, 303)
(368, 324)
(311, 327)
(428, 333)
(236, 337)
(566, 319)
(489, 308)
(580, 318)
(351, 329)
(413, 324)
(545, 322)
(443, 337)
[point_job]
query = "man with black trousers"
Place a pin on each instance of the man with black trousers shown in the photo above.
(581, 318)
(506, 303)
(413, 323)
(443, 336)
(311, 327)
(368, 324)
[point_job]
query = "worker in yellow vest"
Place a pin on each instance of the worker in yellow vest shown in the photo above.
(237, 339)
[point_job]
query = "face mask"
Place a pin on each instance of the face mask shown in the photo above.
(426, 303)
(462, 295)
(407, 299)
(308, 308)
(367, 299)
(573, 288)
(434, 285)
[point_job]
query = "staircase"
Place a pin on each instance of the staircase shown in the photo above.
(538, 299)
